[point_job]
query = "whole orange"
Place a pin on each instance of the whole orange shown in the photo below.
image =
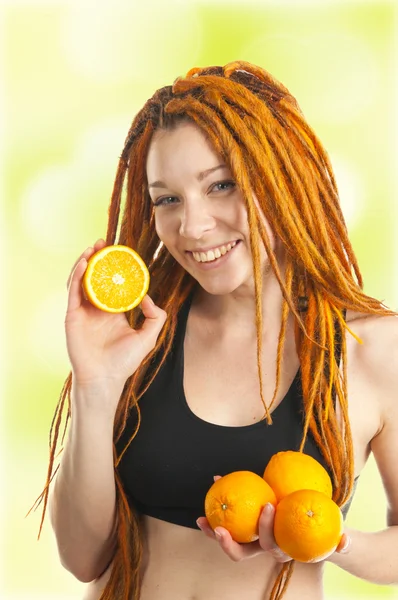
(289, 471)
(308, 525)
(235, 502)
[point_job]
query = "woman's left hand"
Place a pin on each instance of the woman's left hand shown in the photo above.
(265, 544)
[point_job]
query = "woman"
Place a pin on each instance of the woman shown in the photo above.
(257, 336)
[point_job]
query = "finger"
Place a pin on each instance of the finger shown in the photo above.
(75, 297)
(155, 318)
(204, 526)
(86, 254)
(236, 552)
(266, 534)
(344, 544)
(99, 244)
(216, 477)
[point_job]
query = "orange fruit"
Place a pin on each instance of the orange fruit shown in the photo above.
(289, 471)
(235, 502)
(116, 279)
(308, 525)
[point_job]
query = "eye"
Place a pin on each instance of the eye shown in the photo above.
(166, 200)
(224, 185)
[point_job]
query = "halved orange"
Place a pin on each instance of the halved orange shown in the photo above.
(116, 279)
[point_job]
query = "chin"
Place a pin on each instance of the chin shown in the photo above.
(222, 286)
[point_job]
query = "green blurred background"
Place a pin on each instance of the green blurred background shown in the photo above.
(73, 76)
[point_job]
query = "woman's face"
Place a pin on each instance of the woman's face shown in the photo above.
(200, 215)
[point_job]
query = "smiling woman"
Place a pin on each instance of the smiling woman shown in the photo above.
(255, 322)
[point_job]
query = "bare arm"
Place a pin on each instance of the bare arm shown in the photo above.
(373, 556)
(83, 501)
(104, 351)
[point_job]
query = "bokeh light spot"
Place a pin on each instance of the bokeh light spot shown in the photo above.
(334, 76)
(115, 42)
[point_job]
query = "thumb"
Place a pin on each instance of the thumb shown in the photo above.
(155, 318)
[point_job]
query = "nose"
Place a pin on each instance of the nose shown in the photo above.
(196, 221)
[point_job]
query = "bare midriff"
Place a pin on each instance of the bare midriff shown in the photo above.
(180, 563)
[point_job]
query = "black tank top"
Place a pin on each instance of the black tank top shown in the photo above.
(169, 466)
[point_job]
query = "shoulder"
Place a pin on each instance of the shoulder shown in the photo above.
(377, 332)
(376, 359)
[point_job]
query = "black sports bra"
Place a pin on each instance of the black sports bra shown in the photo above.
(169, 466)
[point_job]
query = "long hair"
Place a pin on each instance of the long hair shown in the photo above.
(257, 127)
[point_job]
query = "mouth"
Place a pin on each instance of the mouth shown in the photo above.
(216, 255)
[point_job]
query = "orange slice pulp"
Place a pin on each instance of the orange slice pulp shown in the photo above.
(116, 279)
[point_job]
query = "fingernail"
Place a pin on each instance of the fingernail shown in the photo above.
(218, 535)
(150, 300)
(269, 507)
(346, 546)
(198, 524)
(100, 240)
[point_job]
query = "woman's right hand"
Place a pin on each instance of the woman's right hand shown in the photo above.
(102, 347)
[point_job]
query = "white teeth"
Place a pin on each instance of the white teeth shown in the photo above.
(212, 254)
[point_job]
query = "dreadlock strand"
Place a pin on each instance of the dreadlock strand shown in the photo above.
(282, 581)
(65, 390)
(331, 361)
(305, 350)
(135, 186)
(329, 434)
(282, 333)
(56, 423)
(114, 207)
(258, 280)
(309, 407)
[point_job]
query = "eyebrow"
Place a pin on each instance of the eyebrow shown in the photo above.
(202, 175)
